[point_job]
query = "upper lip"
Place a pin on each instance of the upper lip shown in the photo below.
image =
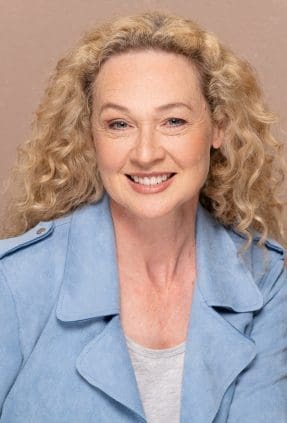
(149, 175)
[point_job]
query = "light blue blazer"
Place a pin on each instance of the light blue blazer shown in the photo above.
(63, 354)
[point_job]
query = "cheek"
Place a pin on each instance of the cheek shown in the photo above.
(195, 153)
(109, 158)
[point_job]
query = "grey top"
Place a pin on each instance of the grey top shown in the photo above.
(159, 377)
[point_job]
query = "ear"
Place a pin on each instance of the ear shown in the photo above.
(217, 136)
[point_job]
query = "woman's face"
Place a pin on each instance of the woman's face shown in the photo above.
(149, 116)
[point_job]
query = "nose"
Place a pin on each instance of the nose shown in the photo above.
(148, 149)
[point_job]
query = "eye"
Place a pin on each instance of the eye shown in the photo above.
(176, 121)
(117, 124)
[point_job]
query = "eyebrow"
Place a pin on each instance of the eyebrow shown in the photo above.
(164, 107)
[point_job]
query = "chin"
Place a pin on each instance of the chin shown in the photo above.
(146, 208)
(151, 214)
(152, 209)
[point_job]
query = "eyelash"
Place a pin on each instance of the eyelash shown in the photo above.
(110, 125)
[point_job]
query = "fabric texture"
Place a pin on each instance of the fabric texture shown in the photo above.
(63, 354)
(159, 376)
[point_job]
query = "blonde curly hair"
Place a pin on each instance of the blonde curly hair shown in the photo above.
(57, 168)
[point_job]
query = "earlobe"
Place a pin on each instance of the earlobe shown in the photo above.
(93, 139)
(218, 136)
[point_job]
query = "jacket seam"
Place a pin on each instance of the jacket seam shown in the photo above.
(273, 271)
(16, 310)
(61, 297)
(34, 240)
(272, 244)
(43, 328)
(65, 222)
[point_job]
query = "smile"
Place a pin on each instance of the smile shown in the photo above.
(153, 180)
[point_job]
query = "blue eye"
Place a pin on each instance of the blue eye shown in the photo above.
(117, 124)
(176, 121)
(121, 124)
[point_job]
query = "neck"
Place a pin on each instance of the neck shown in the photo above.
(157, 251)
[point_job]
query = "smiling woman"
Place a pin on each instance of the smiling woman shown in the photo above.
(143, 277)
(147, 142)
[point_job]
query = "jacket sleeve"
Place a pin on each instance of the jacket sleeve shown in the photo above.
(10, 352)
(261, 391)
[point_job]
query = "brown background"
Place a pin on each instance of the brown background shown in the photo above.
(35, 33)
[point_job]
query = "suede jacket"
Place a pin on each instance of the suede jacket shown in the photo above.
(63, 353)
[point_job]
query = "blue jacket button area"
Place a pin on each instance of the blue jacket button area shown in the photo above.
(41, 231)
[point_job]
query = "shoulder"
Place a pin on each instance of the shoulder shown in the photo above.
(31, 274)
(40, 253)
(33, 237)
(267, 264)
(272, 248)
(31, 263)
(262, 265)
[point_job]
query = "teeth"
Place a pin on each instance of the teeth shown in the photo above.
(154, 180)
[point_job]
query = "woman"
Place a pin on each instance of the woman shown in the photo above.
(145, 283)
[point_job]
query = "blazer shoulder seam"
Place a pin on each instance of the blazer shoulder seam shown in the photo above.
(34, 235)
(5, 281)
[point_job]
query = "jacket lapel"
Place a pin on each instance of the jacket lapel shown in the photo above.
(90, 283)
(105, 364)
(90, 290)
(218, 347)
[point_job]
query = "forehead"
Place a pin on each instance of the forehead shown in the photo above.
(148, 74)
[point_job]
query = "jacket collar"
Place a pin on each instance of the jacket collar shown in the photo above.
(90, 284)
(218, 347)
(223, 276)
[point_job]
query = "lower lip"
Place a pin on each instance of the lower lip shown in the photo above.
(150, 189)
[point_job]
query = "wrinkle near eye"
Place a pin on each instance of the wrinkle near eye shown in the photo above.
(119, 127)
